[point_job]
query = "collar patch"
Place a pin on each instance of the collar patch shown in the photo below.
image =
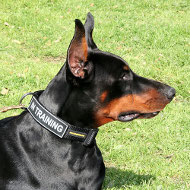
(47, 119)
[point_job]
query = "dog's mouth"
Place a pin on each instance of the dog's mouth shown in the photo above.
(129, 116)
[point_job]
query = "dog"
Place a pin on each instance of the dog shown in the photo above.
(91, 89)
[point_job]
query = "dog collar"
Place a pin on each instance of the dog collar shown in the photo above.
(56, 125)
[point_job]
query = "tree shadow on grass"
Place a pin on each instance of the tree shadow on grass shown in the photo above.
(123, 178)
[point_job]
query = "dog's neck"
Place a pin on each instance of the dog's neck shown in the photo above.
(60, 98)
(56, 93)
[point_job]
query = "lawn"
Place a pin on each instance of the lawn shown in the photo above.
(152, 36)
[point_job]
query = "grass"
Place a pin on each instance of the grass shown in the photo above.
(153, 36)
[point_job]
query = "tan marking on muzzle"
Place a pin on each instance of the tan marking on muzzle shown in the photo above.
(147, 102)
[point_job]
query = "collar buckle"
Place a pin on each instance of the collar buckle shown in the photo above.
(90, 137)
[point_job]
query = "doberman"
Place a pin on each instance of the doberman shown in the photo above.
(91, 89)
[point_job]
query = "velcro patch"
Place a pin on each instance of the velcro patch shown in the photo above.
(46, 118)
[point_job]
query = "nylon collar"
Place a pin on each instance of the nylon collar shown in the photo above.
(56, 125)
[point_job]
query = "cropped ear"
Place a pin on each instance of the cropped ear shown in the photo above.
(89, 26)
(78, 51)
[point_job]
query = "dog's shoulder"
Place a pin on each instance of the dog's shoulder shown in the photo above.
(5, 121)
(8, 120)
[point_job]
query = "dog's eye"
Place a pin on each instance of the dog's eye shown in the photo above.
(125, 76)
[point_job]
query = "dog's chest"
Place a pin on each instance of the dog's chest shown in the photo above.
(30, 161)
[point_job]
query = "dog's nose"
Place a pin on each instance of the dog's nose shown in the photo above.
(171, 93)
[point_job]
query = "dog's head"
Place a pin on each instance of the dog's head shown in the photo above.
(105, 85)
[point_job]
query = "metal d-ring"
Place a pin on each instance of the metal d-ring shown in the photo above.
(24, 96)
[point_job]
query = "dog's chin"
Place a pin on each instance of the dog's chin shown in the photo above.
(129, 116)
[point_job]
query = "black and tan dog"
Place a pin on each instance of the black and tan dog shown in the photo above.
(92, 88)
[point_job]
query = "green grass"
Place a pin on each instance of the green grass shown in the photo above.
(153, 36)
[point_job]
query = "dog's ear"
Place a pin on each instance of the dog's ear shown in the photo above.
(78, 51)
(89, 26)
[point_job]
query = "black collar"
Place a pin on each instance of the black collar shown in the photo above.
(56, 125)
